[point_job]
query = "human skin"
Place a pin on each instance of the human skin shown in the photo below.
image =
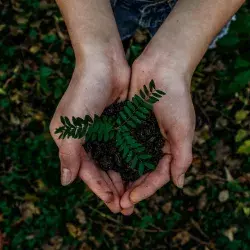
(102, 76)
(170, 59)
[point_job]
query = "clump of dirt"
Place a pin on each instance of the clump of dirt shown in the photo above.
(107, 156)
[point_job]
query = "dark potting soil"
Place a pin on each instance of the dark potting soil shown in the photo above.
(107, 156)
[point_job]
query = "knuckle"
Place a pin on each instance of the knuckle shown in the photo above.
(109, 197)
(68, 152)
(64, 157)
(164, 178)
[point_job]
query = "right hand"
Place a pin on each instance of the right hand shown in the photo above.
(100, 79)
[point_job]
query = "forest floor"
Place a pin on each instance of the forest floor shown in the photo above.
(36, 212)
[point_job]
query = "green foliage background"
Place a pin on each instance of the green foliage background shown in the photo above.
(211, 212)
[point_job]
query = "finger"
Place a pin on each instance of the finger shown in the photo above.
(124, 80)
(70, 154)
(154, 181)
(117, 181)
(123, 96)
(125, 200)
(182, 159)
(93, 178)
(128, 211)
(138, 76)
(115, 205)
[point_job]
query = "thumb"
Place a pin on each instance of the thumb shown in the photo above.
(70, 154)
(182, 159)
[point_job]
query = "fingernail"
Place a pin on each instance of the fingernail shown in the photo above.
(133, 198)
(124, 212)
(66, 177)
(180, 181)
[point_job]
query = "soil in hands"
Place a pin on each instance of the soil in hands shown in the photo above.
(107, 156)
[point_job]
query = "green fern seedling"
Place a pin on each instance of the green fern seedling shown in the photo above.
(103, 128)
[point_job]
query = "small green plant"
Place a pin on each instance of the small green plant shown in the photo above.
(103, 128)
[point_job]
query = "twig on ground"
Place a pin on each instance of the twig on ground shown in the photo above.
(197, 226)
(198, 240)
(117, 222)
(130, 228)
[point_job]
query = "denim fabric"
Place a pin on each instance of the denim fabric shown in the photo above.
(149, 14)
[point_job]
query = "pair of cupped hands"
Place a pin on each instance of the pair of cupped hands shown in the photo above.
(102, 77)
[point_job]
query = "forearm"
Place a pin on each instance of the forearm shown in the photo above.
(89, 23)
(191, 26)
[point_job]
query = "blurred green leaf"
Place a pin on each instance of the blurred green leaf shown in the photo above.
(241, 63)
(241, 115)
(241, 134)
(244, 148)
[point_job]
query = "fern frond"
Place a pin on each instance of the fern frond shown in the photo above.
(141, 168)
(152, 85)
(132, 152)
(139, 108)
(75, 129)
(105, 128)
(101, 129)
(146, 91)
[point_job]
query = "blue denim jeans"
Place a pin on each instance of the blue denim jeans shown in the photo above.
(148, 14)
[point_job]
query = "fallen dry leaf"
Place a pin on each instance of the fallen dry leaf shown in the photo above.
(241, 115)
(202, 135)
(230, 233)
(141, 36)
(75, 231)
(85, 246)
(14, 120)
(31, 197)
(228, 175)
(80, 215)
(34, 49)
(55, 243)
(95, 241)
(182, 238)
(193, 192)
(202, 201)
(223, 196)
(28, 209)
(40, 186)
(222, 151)
(109, 233)
(21, 19)
(245, 178)
(167, 207)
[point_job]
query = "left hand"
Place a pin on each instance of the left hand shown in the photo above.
(176, 119)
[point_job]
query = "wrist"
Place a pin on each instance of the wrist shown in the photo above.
(171, 53)
(90, 24)
(107, 51)
(167, 63)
